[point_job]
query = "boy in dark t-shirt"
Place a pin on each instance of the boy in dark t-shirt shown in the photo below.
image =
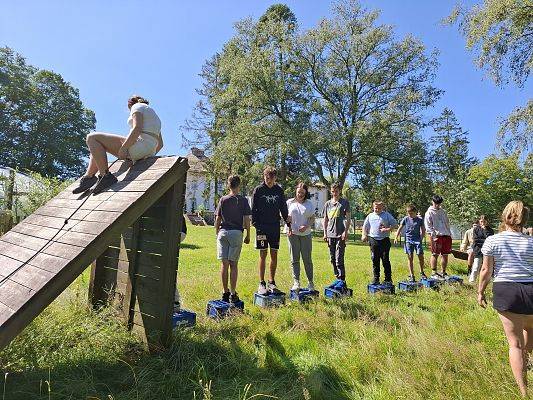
(232, 218)
(414, 231)
(268, 202)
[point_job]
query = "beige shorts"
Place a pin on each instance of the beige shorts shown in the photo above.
(145, 146)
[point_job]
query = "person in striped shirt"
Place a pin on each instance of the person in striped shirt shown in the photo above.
(509, 254)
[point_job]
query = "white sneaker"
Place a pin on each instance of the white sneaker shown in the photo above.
(262, 289)
(272, 288)
(296, 285)
(311, 285)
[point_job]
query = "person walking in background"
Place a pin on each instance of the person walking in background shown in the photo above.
(268, 202)
(466, 245)
(300, 238)
(336, 225)
(414, 231)
(376, 230)
(232, 217)
(439, 235)
(508, 256)
(144, 140)
(480, 233)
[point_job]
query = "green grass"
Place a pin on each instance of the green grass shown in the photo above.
(427, 345)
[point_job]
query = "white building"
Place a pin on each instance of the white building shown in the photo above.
(22, 186)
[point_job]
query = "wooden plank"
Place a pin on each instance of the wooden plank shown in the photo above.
(67, 237)
(94, 228)
(5, 313)
(61, 250)
(34, 304)
(44, 261)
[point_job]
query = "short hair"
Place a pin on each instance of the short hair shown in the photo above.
(304, 187)
(137, 99)
(483, 218)
(376, 202)
(234, 181)
(336, 185)
(515, 215)
(476, 221)
(437, 199)
(411, 207)
(270, 171)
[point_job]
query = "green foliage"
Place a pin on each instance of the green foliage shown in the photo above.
(367, 347)
(338, 95)
(41, 190)
(43, 123)
(499, 32)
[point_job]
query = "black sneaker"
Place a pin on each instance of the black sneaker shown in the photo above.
(104, 182)
(411, 278)
(423, 276)
(86, 183)
(234, 298)
(225, 297)
(388, 282)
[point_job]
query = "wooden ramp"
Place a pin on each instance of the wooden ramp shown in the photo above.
(26, 288)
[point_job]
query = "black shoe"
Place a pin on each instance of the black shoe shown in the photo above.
(388, 282)
(225, 297)
(411, 278)
(423, 276)
(234, 298)
(104, 182)
(86, 183)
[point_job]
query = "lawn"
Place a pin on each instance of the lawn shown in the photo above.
(425, 345)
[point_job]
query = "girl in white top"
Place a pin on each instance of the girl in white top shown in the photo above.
(300, 239)
(510, 255)
(144, 140)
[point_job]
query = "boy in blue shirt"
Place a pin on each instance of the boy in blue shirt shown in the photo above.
(414, 231)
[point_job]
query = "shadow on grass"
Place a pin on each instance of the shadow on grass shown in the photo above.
(200, 363)
(189, 246)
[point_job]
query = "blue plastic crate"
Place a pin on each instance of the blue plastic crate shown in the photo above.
(454, 279)
(407, 286)
(431, 283)
(380, 288)
(269, 300)
(303, 295)
(183, 318)
(331, 293)
(221, 309)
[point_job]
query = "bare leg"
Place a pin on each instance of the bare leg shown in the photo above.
(233, 276)
(99, 143)
(513, 326)
(528, 335)
(273, 263)
(224, 274)
(410, 264)
(433, 262)
(262, 264)
(92, 168)
(444, 263)
(421, 261)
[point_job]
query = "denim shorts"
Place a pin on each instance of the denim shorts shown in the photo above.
(413, 248)
(229, 244)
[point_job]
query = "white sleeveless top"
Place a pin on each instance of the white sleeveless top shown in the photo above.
(151, 122)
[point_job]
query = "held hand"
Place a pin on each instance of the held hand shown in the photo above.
(481, 300)
(325, 238)
(302, 228)
(343, 236)
(289, 232)
(364, 238)
(247, 239)
(123, 153)
(289, 219)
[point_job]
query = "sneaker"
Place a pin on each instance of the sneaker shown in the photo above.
(311, 286)
(176, 308)
(411, 278)
(388, 282)
(469, 271)
(104, 182)
(296, 285)
(445, 276)
(423, 276)
(272, 288)
(262, 289)
(436, 275)
(86, 183)
(341, 284)
(225, 297)
(234, 298)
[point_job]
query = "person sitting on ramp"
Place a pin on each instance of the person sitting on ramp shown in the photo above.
(144, 140)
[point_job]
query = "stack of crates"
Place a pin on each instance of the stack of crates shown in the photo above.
(183, 318)
(454, 279)
(408, 286)
(431, 283)
(269, 299)
(303, 295)
(385, 288)
(219, 309)
(333, 293)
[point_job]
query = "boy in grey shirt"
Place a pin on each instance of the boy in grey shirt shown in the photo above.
(336, 223)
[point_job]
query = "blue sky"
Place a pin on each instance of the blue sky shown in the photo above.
(109, 50)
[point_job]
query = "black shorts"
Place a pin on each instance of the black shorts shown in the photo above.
(515, 297)
(267, 236)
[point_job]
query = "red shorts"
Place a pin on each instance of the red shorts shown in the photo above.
(443, 245)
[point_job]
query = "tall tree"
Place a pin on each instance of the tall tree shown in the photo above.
(43, 123)
(449, 157)
(499, 32)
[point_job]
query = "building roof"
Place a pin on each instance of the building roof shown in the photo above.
(197, 160)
